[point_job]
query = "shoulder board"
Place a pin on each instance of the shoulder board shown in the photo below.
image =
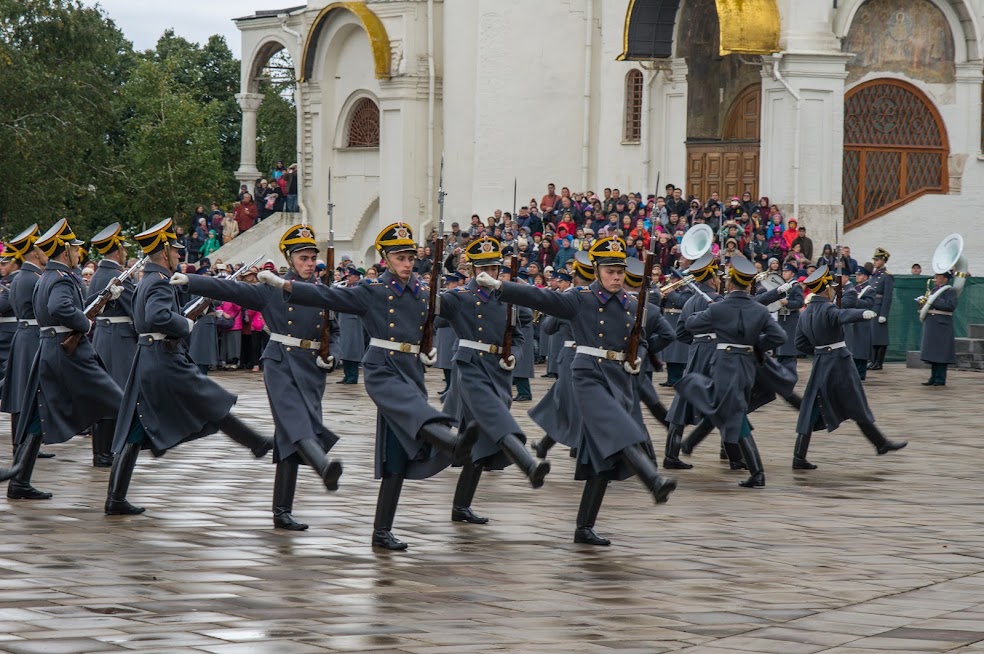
(162, 275)
(462, 289)
(584, 289)
(62, 273)
(425, 287)
(372, 282)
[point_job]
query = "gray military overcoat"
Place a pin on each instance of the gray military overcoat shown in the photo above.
(115, 342)
(938, 345)
(26, 341)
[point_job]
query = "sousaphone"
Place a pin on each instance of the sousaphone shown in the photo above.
(696, 242)
(948, 257)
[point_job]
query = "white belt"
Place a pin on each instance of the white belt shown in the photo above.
(154, 336)
(611, 355)
(735, 346)
(491, 348)
(829, 348)
(710, 337)
(932, 312)
(569, 343)
(59, 329)
(8, 319)
(671, 310)
(114, 320)
(396, 347)
(25, 323)
(295, 342)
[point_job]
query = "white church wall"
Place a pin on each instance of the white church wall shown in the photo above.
(459, 63)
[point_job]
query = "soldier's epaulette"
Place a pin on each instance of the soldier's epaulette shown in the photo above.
(462, 289)
(371, 282)
(584, 289)
(162, 276)
(63, 273)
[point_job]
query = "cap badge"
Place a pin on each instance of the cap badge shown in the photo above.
(304, 233)
(402, 233)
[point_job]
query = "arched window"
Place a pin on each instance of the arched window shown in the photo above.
(363, 131)
(895, 149)
(633, 106)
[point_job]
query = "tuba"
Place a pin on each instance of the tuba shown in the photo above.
(769, 281)
(696, 242)
(948, 257)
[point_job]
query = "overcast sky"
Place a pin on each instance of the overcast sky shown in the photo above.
(143, 21)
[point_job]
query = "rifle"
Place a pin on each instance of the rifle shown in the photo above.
(99, 303)
(511, 314)
(838, 290)
(437, 280)
(324, 351)
(632, 353)
(201, 305)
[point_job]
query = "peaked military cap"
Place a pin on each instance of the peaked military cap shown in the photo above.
(634, 270)
(608, 251)
(704, 267)
(21, 244)
(397, 237)
(54, 241)
(352, 270)
(484, 251)
(297, 238)
(158, 237)
(109, 239)
(582, 266)
(819, 280)
(742, 271)
(881, 253)
(564, 276)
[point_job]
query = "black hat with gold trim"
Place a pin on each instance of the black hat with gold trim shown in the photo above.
(819, 280)
(20, 245)
(158, 237)
(297, 238)
(742, 271)
(397, 237)
(608, 251)
(634, 270)
(582, 266)
(704, 267)
(109, 239)
(484, 251)
(881, 253)
(54, 241)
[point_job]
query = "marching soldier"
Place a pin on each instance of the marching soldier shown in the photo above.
(292, 369)
(352, 339)
(413, 439)
(114, 339)
(675, 354)
(446, 340)
(791, 299)
(658, 336)
(167, 401)
(66, 391)
(524, 365)
(612, 440)
(483, 380)
(834, 392)
(9, 267)
(884, 285)
(743, 330)
(858, 335)
(938, 347)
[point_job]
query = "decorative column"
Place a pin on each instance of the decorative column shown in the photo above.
(250, 104)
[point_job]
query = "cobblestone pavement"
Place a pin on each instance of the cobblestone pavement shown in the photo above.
(865, 554)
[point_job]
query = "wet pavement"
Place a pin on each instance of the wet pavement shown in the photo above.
(865, 554)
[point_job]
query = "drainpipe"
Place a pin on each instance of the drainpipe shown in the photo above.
(651, 74)
(425, 225)
(586, 127)
(777, 76)
(299, 121)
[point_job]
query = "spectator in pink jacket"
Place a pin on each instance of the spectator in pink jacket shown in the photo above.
(229, 319)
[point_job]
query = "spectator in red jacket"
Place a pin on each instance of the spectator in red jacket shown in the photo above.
(246, 213)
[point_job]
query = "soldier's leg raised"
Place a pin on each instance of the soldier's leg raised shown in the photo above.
(464, 493)
(878, 439)
(542, 446)
(20, 487)
(102, 443)
(245, 435)
(284, 484)
(534, 469)
(587, 513)
(458, 447)
(694, 438)
(389, 498)
(660, 487)
(313, 453)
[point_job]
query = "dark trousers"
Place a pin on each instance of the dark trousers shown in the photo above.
(351, 370)
(862, 366)
(523, 386)
(939, 373)
(674, 372)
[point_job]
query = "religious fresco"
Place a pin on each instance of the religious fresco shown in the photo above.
(911, 37)
(713, 81)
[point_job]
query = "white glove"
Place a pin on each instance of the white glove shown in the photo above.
(429, 358)
(270, 278)
(178, 279)
(633, 368)
(882, 320)
(325, 365)
(115, 291)
(785, 288)
(508, 364)
(191, 324)
(488, 281)
(868, 314)
(89, 328)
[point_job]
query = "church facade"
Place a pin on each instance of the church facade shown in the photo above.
(861, 118)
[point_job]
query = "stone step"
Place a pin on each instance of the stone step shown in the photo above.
(970, 361)
(969, 345)
(975, 331)
(912, 360)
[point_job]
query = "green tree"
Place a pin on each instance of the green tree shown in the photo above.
(276, 129)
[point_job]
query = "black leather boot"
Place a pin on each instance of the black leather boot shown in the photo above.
(799, 453)
(694, 438)
(671, 458)
(312, 453)
(750, 453)
(119, 482)
(645, 469)
(389, 498)
(878, 439)
(464, 493)
(542, 446)
(245, 435)
(20, 487)
(659, 411)
(458, 447)
(102, 443)
(878, 357)
(794, 401)
(735, 461)
(534, 469)
(284, 483)
(587, 513)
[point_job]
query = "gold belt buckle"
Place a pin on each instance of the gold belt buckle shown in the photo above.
(404, 347)
(494, 349)
(306, 344)
(611, 355)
